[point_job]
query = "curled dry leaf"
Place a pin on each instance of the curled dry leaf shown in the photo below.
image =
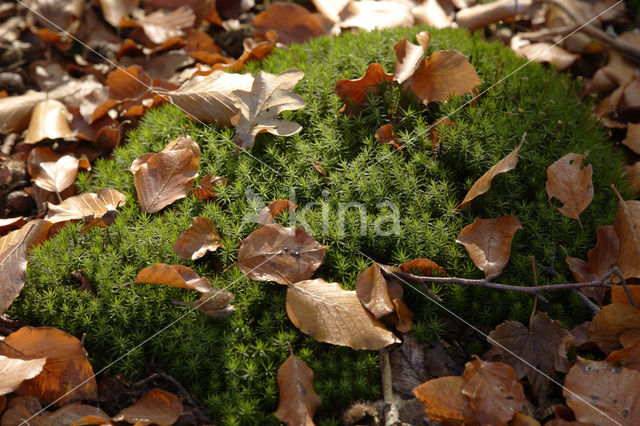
(283, 255)
(443, 74)
(273, 210)
(13, 274)
(431, 13)
(632, 140)
(196, 241)
(627, 227)
(49, 120)
(207, 188)
(444, 402)
(386, 135)
(628, 357)
(488, 242)
(354, 92)
(259, 108)
(422, 266)
(173, 276)
(56, 176)
(294, 23)
(546, 52)
(409, 56)
(67, 375)
(215, 303)
(483, 184)
(155, 407)
(610, 323)
(570, 183)
(298, 400)
(127, 83)
(330, 8)
(14, 371)
(493, 391)
(114, 10)
(599, 393)
(78, 414)
(10, 223)
(32, 233)
(95, 209)
(161, 25)
(372, 290)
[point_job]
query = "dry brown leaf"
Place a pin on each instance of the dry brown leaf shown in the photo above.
(443, 74)
(544, 346)
(95, 209)
(272, 211)
(330, 8)
(13, 274)
(483, 184)
(215, 303)
(629, 338)
(207, 188)
(253, 51)
(387, 136)
(294, 23)
(627, 227)
(77, 414)
(298, 400)
(618, 295)
(628, 357)
(56, 176)
(546, 52)
(14, 371)
(155, 407)
(16, 111)
(523, 420)
(279, 254)
(354, 92)
(114, 10)
(369, 15)
(409, 56)
(372, 290)
(67, 375)
(128, 83)
(424, 267)
(49, 120)
(444, 402)
(493, 391)
(196, 241)
(600, 82)
(632, 174)
(488, 242)
(10, 224)
(161, 25)
(570, 183)
(181, 142)
(210, 98)
(259, 108)
(612, 390)
(174, 276)
(404, 316)
(619, 69)
(330, 314)
(32, 233)
(630, 100)
(431, 13)
(633, 137)
(608, 325)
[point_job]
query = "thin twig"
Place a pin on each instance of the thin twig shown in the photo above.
(535, 284)
(594, 308)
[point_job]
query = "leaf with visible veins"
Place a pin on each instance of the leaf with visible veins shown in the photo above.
(570, 183)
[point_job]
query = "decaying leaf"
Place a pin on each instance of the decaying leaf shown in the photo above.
(409, 56)
(173, 276)
(196, 241)
(215, 303)
(354, 92)
(11, 223)
(127, 83)
(443, 74)
(444, 401)
(386, 135)
(13, 274)
(272, 211)
(294, 23)
(207, 188)
(483, 184)
(493, 391)
(56, 176)
(156, 407)
(627, 227)
(14, 371)
(95, 209)
(298, 400)
(488, 242)
(372, 290)
(67, 375)
(333, 315)
(283, 255)
(259, 108)
(599, 393)
(49, 120)
(608, 325)
(544, 346)
(570, 183)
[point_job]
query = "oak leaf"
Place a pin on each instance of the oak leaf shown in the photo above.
(298, 400)
(483, 184)
(294, 23)
(156, 407)
(488, 242)
(570, 183)
(354, 92)
(173, 276)
(283, 255)
(608, 325)
(196, 241)
(493, 391)
(273, 210)
(627, 227)
(330, 314)
(14, 371)
(259, 108)
(49, 120)
(98, 209)
(66, 376)
(13, 274)
(444, 401)
(409, 56)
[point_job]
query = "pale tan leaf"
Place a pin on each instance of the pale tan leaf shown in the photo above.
(32, 233)
(14, 371)
(201, 237)
(570, 183)
(283, 255)
(409, 56)
(610, 323)
(162, 25)
(298, 400)
(215, 303)
(13, 274)
(155, 407)
(488, 242)
(633, 137)
(181, 142)
(330, 314)
(444, 402)
(331, 8)
(547, 52)
(627, 227)
(16, 111)
(483, 184)
(210, 98)
(259, 108)
(49, 120)
(369, 15)
(59, 175)
(443, 74)
(101, 206)
(173, 276)
(114, 10)
(371, 288)
(431, 13)
(11, 223)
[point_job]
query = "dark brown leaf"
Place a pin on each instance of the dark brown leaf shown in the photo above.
(298, 400)
(13, 274)
(294, 23)
(608, 325)
(155, 407)
(627, 227)
(371, 288)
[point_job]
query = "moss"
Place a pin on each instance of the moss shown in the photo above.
(231, 365)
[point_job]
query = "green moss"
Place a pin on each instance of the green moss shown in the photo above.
(231, 365)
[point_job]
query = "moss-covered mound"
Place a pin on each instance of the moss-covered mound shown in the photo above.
(231, 365)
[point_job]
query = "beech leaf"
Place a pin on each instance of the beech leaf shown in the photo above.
(95, 209)
(632, 140)
(628, 357)
(409, 56)
(259, 108)
(570, 183)
(196, 241)
(283, 255)
(444, 402)
(207, 188)
(32, 233)
(49, 120)
(483, 184)
(294, 23)
(161, 25)
(114, 10)
(273, 210)
(13, 274)
(371, 288)
(488, 242)
(610, 323)
(627, 228)
(354, 92)
(14, 371)
(173, 276)
(330, 314)
(298, 400)
(155, 407)
(56, 176)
